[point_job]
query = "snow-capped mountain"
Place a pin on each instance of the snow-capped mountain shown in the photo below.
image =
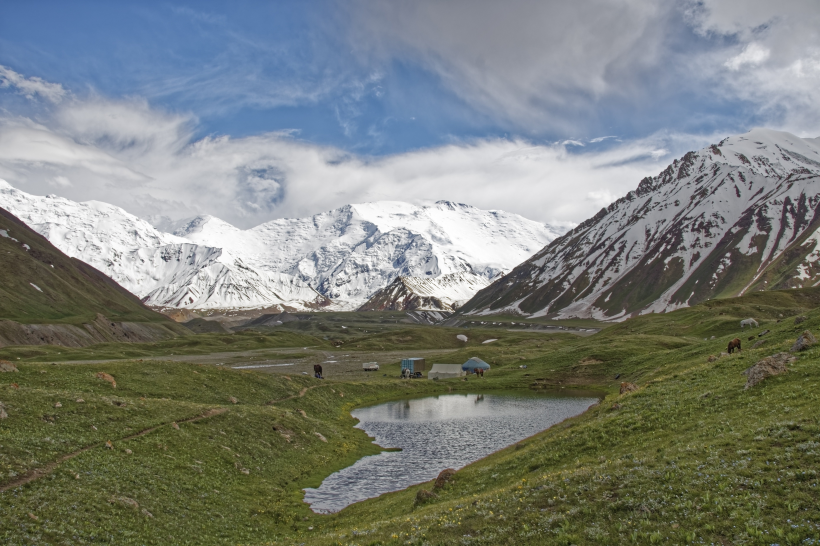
(736, 216)
(444, 293)
(337, 259)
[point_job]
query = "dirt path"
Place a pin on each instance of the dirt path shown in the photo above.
(38, 473)
(300, 395)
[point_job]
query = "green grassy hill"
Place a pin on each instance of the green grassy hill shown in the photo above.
(691, 457)
(67, 290)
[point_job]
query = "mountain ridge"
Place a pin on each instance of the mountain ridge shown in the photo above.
(332, 260)
(714, 223)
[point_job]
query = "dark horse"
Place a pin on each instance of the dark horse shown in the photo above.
(317, 371)
(734, 344)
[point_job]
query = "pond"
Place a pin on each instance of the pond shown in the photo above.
(438, 432)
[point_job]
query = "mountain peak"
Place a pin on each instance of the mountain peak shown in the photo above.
(735, 216)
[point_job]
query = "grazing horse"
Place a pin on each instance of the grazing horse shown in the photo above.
(734, 344)
(317, 371)
(748, 322)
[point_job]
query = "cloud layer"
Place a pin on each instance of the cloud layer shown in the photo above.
(149, 162)
(535, 64)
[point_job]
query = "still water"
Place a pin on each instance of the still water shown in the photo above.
(438, 432)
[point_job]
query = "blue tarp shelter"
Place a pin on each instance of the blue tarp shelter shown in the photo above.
(474, 364)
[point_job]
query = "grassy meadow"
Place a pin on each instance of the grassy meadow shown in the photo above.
(202, 454)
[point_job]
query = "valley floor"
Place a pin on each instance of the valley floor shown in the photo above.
(207, 454)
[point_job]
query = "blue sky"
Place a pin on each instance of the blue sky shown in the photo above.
(364, 88)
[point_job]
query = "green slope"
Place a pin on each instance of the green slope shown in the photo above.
(691, 457)
(70, 291)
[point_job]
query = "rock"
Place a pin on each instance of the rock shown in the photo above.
(80, 400)
(461, 337)
(107, 377)
(93, 427)
(58, 405)
(124, 501)
(176, 426)
(3, 414)
(322, 438)
(6, 366)
(245, 471)
(147, 514)
(302, 413)
(758, 344)
(128, 452)
(233, 400)
(771, 365)
(798, 320)
(424, 495)
(32, 516)
(628, 387)
(712, 358)
(443, 477)
(803, 342)
(763, 333)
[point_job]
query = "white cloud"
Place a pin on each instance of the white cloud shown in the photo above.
(774, 62)
(752, 54)
(532, 62)
(29, 87)
(148, 162)
(553, 65)
(62, 182)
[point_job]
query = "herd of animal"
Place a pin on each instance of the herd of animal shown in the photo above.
(735, 343)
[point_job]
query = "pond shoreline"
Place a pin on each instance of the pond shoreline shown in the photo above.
(446, 430)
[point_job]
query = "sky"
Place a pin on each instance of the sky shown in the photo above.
(251, 111)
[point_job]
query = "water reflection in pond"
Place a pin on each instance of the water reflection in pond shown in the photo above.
(438, 432)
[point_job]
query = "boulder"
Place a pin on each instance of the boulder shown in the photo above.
(628, 387)
(803, 342)
(424, 495)
(107, 377)
(798, 320)
(769, 366)
(763, 333)
(758, 344)
(6, 366)
(443, 477)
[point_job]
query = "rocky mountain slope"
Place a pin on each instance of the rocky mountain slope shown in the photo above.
(444, 293)
(736, 216)
(334, 260)
(48, 298)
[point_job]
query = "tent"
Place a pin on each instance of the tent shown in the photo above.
(445, 371)
(474, 364)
